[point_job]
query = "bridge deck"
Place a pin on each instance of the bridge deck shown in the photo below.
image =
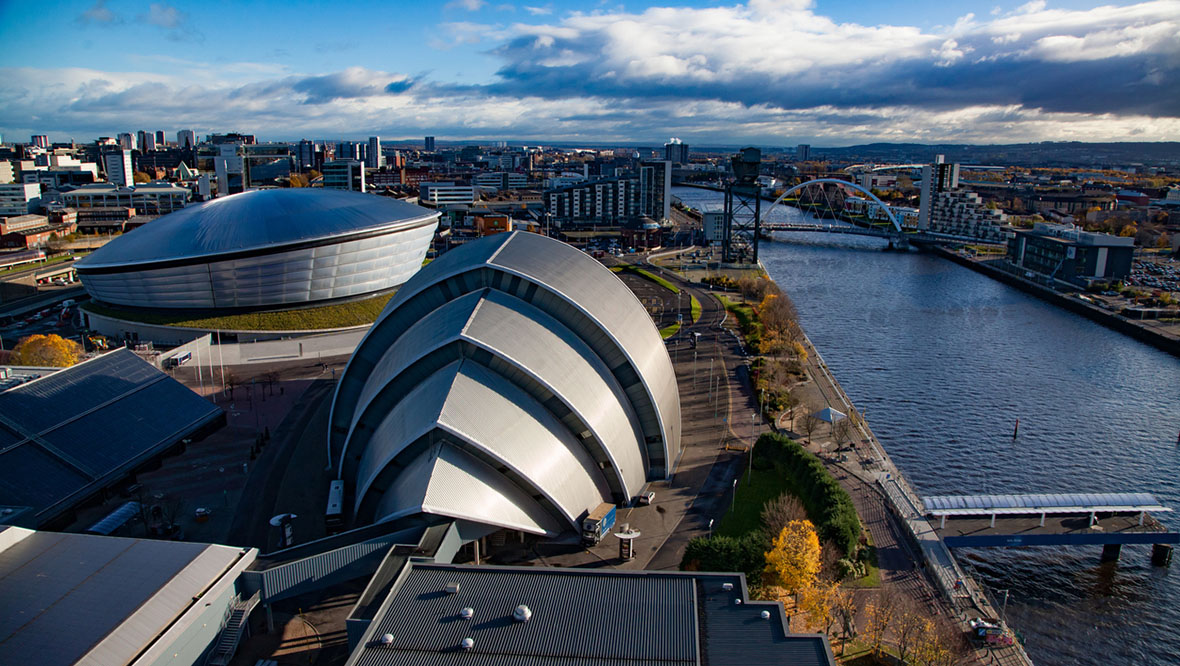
(1058, 530)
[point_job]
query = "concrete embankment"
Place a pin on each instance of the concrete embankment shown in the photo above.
(1157, 339)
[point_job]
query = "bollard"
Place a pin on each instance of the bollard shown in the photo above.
(1016, 429)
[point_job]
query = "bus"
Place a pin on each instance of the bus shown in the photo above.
(334, 516)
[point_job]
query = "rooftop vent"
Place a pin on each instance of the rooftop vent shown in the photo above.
(467, 643)
(522, 613)
(452, 588)
(387, 639)
(467, 613)
(727, 586)
(737, 602)
(765, 615)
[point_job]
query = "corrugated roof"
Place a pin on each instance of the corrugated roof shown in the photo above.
(581, 617)
(577, 619)
(254, 220)
(953, 505)
(82, 427)
(75, 598)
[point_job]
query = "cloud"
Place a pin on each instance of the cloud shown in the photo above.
(768, 72)
(469, 5)
(539, 11)
(164, 16)
(98, 13)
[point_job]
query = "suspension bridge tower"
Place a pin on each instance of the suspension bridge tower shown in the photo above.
(743, 209)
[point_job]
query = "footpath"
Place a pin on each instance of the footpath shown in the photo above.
(889, 508)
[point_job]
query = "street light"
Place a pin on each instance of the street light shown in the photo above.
(734, 501)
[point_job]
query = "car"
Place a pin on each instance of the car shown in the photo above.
(645, 499)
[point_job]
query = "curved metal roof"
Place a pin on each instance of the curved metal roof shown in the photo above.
(254, 221)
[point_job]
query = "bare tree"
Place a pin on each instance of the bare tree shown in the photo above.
(781, 510)
(909, 627)
(881, 614)
(810, 424)
(842, 433)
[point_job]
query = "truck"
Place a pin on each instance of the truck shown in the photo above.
(598, 523)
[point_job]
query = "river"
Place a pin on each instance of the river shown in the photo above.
(943, 360)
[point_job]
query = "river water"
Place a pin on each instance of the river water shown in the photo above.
(943, 360)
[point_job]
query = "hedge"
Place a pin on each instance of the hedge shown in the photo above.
(827, 503)
(746, 554)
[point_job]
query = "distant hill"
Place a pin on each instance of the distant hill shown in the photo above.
(1048, 153)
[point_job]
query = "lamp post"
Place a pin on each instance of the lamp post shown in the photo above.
(734, 501)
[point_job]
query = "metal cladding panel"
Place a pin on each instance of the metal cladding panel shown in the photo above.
(608, 301)
(497, 417)
(459, 486)
(550, 352)
(256, 220)
(576, 617)
(416, 414)
(326, 272)
(65, 594)
(31, 477)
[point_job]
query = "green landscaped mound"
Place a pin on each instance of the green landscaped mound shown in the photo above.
(337, 315)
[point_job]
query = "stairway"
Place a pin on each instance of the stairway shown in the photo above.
(231, 631)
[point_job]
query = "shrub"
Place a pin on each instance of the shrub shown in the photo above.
(723, 553)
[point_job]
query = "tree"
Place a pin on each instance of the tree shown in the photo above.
(297, 180)
(141, 177)
(842, 432)
(909, 626)
(47, 351)
(819, 603)
(846, 606)
(722, 553)
(793, 559)
(1128, 231)
(781, 511)
(1164, 240)
(810, 423)
(879, 617)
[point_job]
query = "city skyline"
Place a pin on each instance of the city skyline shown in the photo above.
(767, 72)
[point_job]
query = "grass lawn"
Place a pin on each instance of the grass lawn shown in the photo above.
(746, 514)
(695, 307)
(872, 577)
(669, 330)
(647, 275)
(337, 315)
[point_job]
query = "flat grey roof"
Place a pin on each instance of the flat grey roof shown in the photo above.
(77, 598)
(966, 505)
(67, 434)
(256, 220)
(579, 617)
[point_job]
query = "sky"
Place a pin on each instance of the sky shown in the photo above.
(767, 72)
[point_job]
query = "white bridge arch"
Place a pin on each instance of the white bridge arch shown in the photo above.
(837, 181)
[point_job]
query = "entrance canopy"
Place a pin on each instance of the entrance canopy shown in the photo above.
(1080, 503)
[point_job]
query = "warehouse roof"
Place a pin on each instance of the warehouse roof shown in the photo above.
(256, 220)
(67, 434)
(77, 598)
(578, 616)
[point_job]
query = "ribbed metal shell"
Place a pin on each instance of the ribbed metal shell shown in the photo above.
(567, 285)
(491, 353)
(263, 248)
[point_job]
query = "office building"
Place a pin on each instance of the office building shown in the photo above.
(429, 144)
(676, 152)
(186, 139)
(149, 142)
(442, 193)
(500, 181)
(655, 190)
(1067, 253)
(19, 198)
(373, 157)
(146, 199)
(345, 175)
(229, 167)
(117, 165)
(305, 156)
(161, 140)
(802, 152)
(936, 178)
(127, 141)
(350, 151)
(40, 140)
(614, 201)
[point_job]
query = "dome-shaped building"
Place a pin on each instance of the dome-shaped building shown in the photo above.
(514, 382)
(263, 249)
